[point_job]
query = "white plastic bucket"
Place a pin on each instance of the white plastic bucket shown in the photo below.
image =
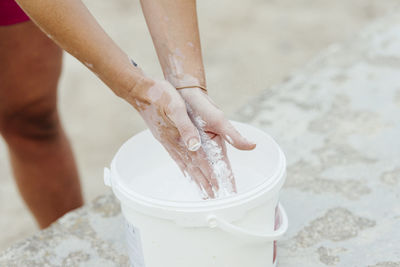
(236, 231)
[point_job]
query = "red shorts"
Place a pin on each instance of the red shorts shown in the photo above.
(11, 13)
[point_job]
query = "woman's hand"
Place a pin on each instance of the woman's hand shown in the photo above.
(191, 133)
(214, 129)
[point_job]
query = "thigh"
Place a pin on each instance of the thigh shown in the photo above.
(30, 66)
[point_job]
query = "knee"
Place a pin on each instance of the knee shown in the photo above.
(35, 122)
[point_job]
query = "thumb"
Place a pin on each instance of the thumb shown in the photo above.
(187, 130)
(233, 137)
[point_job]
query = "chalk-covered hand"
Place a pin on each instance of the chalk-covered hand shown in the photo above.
(214, 129)
(165, 113)
(191, 132)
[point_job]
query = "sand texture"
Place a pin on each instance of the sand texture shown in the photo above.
(328, 117)
(337, 119)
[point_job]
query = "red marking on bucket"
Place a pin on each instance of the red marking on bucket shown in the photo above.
(277, 224)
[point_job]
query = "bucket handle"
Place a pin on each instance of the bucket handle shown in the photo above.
(214, 221)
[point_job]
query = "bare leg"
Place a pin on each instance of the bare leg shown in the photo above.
(41, 156)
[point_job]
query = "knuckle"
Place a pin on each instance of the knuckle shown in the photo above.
(185, 129)
(219, 115)
(175, 108)
(218, 119)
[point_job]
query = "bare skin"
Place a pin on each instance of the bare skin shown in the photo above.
(177, 43)
(174, 30)
(173, 25)
(41, 157)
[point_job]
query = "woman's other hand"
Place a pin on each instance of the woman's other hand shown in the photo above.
(192, 130)
(214, 129)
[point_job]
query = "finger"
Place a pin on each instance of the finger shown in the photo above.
(202, 182)
(231, 176)
(179, 161)
(187, 130)
(224, 172)
(233, 137)
(206, 168)
(210, 175)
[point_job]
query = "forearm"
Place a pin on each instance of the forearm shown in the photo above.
(174, 29)
(70, 25)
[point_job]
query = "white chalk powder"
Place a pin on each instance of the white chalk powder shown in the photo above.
(215, 158)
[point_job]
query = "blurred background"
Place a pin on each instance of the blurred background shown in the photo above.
(248, 46)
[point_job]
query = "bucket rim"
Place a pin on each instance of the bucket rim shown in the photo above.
(126, 197)
(124, 194)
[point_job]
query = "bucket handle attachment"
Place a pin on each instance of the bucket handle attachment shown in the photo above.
(214, 221)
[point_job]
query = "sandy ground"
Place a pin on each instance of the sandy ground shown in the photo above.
(248, 46)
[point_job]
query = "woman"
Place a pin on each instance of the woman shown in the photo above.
(177, 110)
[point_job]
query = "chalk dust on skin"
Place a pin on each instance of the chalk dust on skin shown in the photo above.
(152, 102)
(150, 106)
(215, 157)
(176, 74)
(212, 150)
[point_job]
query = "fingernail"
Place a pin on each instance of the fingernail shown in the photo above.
(250, 141)
(193, 144)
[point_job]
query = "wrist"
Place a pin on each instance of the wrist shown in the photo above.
(191, 92)
(193, 87)
(137, 89)
(186, 80)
